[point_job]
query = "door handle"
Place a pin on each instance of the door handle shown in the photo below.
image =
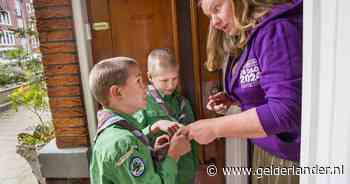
(100, 26)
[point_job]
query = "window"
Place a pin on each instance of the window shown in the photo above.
(29, 8)
(7, 38)
(5, 18)
(35, 42)
(18, 8)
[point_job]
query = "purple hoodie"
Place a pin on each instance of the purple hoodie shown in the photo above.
(268, 77)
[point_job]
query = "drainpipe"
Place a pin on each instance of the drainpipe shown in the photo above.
(83, 37)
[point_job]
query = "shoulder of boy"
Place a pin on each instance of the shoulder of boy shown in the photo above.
(128, 154)
(153, 109)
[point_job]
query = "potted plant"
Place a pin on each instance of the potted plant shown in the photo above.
(30, 143)
(33, 97)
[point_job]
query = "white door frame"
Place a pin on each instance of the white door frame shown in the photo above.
(326, 89)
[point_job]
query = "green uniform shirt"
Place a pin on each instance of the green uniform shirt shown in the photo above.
(119, 157)
(187, 164)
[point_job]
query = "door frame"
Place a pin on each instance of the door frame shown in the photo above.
(325, 108)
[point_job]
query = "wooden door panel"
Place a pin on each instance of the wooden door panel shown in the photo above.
(140, 26)
(101, 40)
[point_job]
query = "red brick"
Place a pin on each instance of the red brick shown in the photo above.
(43, 37)
(71, 131)
(53, 12)
(54, 24)
(71, 141)
(62, 80)
(62, 35)
(45, 3)
(70, 122)
(52, 36)
(54, 48)
(64, 91)
(60, 59)
(67, 112)
(57, 102)
(61, 69)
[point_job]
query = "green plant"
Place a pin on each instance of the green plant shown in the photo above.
(22, 68)
(10, 74)
(33, 97)
(42, 134)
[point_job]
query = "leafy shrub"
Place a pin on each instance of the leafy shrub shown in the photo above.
(10, 74)
(42, 134)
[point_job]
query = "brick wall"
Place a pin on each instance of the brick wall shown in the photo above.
(57, 44)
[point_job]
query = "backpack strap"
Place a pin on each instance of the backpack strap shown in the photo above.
(109, 119)
(166, 108)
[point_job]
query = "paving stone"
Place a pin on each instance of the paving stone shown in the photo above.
(13, 168)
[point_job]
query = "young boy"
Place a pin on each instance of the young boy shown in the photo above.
(121, 152)
(164, 102)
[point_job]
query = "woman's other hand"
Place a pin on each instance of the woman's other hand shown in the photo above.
(219, 103)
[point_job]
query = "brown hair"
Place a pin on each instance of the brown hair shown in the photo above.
(106, 73)
(160, 59)
(248, 13)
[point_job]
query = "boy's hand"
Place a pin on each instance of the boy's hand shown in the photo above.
(161, 147)
(162, 142)
(169, 127)
(179, 145)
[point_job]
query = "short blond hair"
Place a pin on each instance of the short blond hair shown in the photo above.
(160, 59)
(106, 73)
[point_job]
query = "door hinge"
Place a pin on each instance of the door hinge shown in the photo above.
(88, 32)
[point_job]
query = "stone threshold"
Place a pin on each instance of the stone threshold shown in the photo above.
(64, 163)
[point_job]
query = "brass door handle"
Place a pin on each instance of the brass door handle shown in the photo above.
(100, 26)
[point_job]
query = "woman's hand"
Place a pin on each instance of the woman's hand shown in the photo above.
(244, 125)
(219, 103)
(202, 131)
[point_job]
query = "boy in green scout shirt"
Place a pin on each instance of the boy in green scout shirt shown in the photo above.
(121, 152)
(165, 102)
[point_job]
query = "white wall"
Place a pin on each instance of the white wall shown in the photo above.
(236, 155)
(326, 89)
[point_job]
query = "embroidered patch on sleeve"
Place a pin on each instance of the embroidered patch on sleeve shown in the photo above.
(125, 156)
(137, 166)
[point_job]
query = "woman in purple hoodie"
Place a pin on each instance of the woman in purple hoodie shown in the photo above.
(262, 40)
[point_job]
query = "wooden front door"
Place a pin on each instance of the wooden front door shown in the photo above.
(134, 27)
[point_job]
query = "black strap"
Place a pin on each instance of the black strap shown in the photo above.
(166, 108)
(110, 119)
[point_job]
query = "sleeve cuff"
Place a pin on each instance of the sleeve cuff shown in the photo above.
(267, 119)
(170, 164)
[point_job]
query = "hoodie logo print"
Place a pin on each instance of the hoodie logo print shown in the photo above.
(250, 74)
